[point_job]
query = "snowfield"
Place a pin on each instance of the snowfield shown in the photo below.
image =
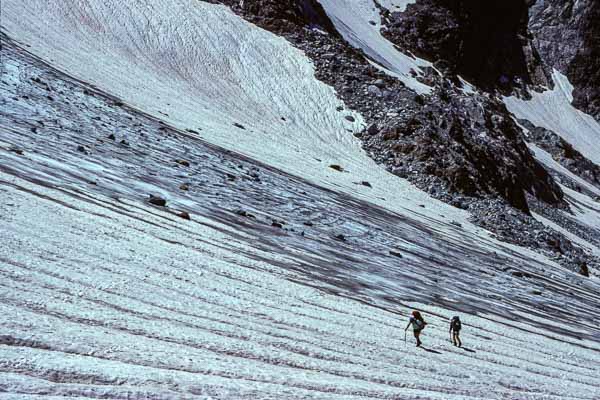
(99, 304)
(291, 280)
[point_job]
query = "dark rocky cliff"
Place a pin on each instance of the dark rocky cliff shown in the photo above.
(486, 42)
(567, 36)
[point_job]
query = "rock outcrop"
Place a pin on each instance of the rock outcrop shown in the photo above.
(567, 36)
(485, 42)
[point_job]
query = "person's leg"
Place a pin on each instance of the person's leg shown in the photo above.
(458, 338)
(417, 333)
(454, 336)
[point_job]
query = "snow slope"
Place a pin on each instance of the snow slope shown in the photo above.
(167, 59)
(257, 296)
(98, 304)
(552, 110)
(105, 296)
(584, 208)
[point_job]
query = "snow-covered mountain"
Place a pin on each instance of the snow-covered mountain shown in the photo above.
(246, 199)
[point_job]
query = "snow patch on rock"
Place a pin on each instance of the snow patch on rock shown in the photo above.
(359, 22)
(553, 110)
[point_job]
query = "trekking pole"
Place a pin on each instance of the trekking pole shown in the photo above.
(405, 338)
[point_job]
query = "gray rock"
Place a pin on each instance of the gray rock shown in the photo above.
(374, 91)
(380, 83)
(157, 201)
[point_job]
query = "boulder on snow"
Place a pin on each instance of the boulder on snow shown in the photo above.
(584, 270)
(182, 162)
(244, 213)
(16, 150)
(157, 201)
(521, 274)
(340, 237)
(395, 254)
(184, 215)
(350, 118)
(230, 177)
(337, 167)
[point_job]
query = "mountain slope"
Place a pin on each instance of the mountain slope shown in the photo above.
(291, 279)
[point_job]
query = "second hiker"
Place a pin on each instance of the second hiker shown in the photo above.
(418, 323)
(455, 326)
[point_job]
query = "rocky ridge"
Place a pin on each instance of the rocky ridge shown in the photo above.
(461, 147)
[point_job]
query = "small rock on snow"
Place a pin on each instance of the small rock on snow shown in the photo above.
(157, 201)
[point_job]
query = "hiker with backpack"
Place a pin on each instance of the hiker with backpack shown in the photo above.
(455, 326)
(418, 324)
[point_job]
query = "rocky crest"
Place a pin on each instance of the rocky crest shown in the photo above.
(466, 144)
(282, 16)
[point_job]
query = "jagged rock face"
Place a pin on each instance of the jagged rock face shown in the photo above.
(567, 35)
(468, 143)
(483, 41)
